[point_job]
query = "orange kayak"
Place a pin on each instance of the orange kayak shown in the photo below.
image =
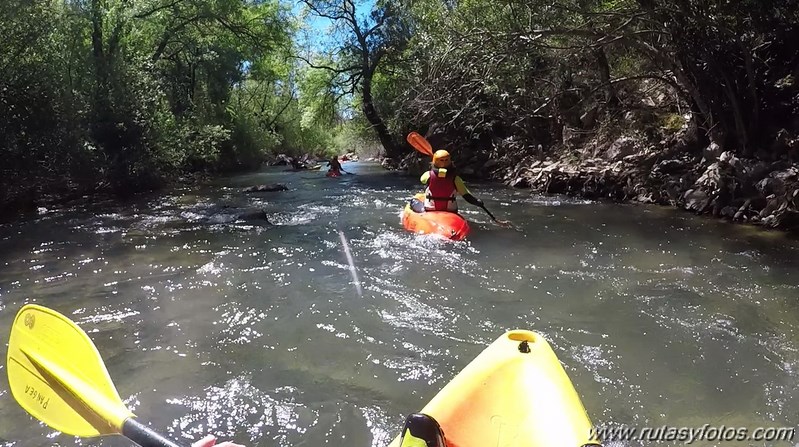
(443, 223)
(514, 394)
(332, 173)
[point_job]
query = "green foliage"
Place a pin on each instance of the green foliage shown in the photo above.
(481, 71)
(355, 135)
(672, 122)
(318, 97)
(121, 94)
(112, 93)
(358, 45)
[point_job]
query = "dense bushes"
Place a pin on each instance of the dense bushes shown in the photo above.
(121, 95)
(537, 72)
(117, 95)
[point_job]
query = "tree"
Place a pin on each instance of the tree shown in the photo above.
(356, 48)
(501, 67)
(125, 94)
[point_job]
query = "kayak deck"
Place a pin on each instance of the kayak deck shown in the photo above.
(507, 397)
(443, 223)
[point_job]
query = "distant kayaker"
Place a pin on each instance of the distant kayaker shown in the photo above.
(335, 166)
(210, 441)
(442, 186)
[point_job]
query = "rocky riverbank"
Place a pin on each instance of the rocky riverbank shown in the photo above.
(761, 190)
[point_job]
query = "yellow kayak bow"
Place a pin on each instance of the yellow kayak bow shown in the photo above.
(514, 394)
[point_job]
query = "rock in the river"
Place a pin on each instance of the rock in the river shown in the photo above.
(266, 188)
(255, 216)
(696, 200)
(729, 211)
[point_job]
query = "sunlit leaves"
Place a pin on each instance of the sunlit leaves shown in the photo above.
(137, 90)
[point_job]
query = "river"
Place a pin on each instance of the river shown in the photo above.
(262, 333)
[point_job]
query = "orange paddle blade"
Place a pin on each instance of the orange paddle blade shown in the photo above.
(420, 143)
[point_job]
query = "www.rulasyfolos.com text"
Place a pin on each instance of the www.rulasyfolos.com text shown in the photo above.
(689, 435)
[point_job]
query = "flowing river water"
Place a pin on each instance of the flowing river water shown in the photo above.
(262, 333)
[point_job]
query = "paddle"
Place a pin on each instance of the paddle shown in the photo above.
(56, 374)
(340, 169)
(422, 145)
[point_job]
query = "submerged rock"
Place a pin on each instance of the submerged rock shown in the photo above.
(266, 188)
(255, 216)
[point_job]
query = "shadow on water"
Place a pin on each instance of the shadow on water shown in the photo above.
(213, 319)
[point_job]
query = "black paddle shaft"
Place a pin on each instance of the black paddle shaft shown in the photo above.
(489, 212)
(144, 436)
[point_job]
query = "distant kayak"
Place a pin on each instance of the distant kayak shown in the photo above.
(515, 393)
(332, 173)
(443, 223)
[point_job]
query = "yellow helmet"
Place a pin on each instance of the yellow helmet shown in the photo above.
(441, 159)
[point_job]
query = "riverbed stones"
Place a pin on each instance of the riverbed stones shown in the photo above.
(676, 171)
(669, 167)
(622, 147)
(711, 153)
(696, 200)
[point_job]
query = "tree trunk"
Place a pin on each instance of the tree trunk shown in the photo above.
(714, 129)
(737, 113)
(98, 50)
(374, 119)
(604, 76)
(754, 121)
(97, 30)
(100, 63)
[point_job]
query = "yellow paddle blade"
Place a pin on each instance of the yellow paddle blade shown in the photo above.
(410, 440)
(420, 143)
(56, 374)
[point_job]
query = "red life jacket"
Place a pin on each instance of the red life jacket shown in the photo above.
(441, 190)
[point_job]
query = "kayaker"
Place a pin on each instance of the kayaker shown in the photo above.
(335, 165)
(442, 186)
(210, 441)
